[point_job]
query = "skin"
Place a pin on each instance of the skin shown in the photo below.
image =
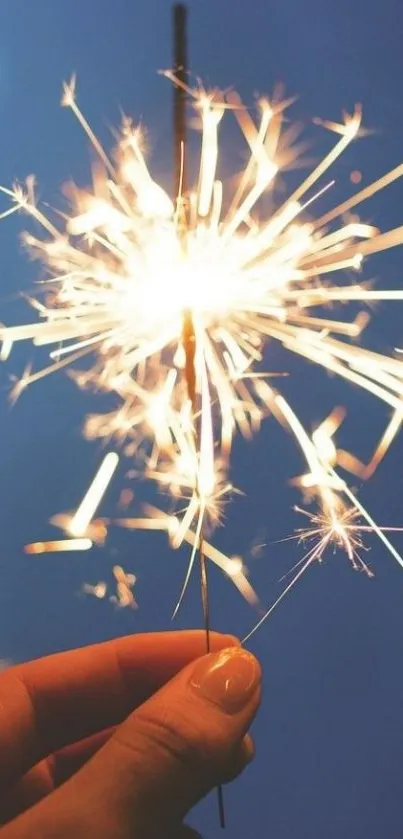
(120, 740)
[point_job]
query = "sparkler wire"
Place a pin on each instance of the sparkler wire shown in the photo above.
(188, 333)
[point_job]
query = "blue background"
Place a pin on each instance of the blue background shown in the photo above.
(329, 734)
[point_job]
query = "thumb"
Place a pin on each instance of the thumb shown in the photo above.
(172, 750)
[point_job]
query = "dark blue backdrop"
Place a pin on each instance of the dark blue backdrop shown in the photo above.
(329, 734)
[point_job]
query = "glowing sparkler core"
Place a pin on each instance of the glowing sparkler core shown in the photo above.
(123, 272)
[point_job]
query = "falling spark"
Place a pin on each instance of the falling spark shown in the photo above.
(355, 176)
(58, 546)
(5, 350)
(98, 590)
(86, 511)
(124, 588)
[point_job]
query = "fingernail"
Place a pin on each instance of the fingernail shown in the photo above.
(227, 679)
(248, 748)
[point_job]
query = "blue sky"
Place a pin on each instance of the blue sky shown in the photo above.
(329, 735)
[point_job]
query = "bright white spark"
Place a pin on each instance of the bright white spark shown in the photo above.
(86, 511)
(58, 546)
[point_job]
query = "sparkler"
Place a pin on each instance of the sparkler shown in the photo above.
(174, 317)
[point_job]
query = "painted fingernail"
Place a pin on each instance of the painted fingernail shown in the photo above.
(248, 749)
(227, 679)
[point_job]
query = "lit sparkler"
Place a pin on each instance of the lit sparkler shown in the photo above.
(130, 287)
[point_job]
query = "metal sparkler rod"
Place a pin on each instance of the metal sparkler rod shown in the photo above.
(180, 15)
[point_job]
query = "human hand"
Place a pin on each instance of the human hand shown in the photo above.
(75, 757)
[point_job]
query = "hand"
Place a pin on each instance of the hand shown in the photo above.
(76, 759)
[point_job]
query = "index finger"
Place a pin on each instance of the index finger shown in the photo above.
(57, 700)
